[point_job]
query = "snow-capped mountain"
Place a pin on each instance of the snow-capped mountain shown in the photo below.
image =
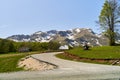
(72, 37)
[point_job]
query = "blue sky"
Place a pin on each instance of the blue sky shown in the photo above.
(29, 16)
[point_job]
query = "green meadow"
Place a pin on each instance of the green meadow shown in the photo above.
(99, 55)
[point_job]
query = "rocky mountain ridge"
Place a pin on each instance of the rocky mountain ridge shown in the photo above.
(72, 37)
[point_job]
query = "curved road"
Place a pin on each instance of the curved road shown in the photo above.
(67, 70)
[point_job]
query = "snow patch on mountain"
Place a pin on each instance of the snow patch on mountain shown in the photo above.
(70, 36)
(77, 30)
(73, 37)
(39, 32)
(98, 42)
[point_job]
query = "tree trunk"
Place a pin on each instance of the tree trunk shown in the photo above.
(112, 38)
(112, 42)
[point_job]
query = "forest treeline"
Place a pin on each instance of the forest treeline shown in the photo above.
(11, 46)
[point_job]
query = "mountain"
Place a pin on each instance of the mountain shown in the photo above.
(72, 37)
(118, 38)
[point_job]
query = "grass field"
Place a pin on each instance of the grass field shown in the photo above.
(99, 55)
(8, 62)
(105, 52)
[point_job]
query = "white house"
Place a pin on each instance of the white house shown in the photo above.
(65, 47)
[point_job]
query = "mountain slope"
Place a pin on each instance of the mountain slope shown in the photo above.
(72, 37)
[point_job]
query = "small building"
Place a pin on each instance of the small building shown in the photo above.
(24, 49)
(65, 47)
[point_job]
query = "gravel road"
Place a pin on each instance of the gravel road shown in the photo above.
(67, 70)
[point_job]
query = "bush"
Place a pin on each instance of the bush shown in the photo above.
(6, 46)
(53, 45)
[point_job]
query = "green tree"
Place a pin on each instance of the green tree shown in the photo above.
(109, 18)
(11, 46)
(6, 46)
(53, 45)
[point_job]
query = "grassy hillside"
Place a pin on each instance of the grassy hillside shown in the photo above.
(99, 55)
(105, 52)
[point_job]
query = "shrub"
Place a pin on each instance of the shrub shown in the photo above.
(53, 45)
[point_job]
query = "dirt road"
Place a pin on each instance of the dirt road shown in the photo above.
(67, 70)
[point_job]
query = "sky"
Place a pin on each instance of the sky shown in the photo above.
(29, 16)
